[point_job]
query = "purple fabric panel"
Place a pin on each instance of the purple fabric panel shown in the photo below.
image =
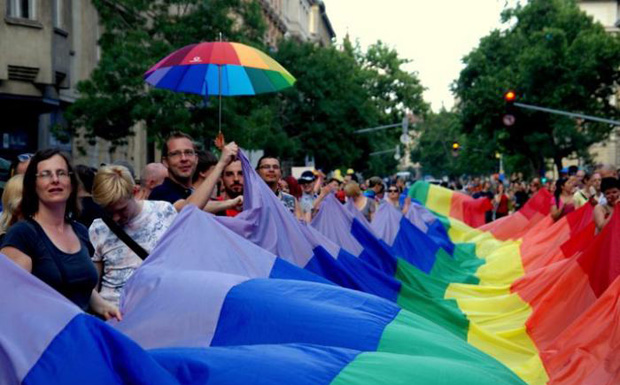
(174, 308)
(317, 239)
(334, 221)
(350, 206)
(32, 315)
(266, 222)
(197, 241)
(420, 216)
(386, 223)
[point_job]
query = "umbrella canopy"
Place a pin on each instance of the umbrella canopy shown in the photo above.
(219, 68)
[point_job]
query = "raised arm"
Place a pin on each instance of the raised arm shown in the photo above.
(201, 196)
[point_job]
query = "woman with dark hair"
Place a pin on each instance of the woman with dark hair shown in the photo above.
(603, 211)
(49, 243)
(563, 203)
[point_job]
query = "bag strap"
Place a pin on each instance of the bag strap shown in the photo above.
(123, 236)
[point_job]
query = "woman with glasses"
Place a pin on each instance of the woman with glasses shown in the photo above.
(49, 243)
(393, 196)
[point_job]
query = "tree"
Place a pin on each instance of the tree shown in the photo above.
(395, 93)
(552, 55)
(138, 33)
(339, 91)
(434, 150)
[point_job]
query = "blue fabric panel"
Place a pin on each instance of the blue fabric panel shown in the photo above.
(439, 234)
(283, 269)
(87, 351)
(271, 311)
(194, 79)
(375, 252)
(353, 273)
(238, 82)
(173, 78)
(256, 365)
(417, 248)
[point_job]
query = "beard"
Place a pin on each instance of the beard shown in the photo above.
(234, 193)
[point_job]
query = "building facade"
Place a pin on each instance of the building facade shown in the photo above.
(48, 46)
(307, 20)
(606, 12)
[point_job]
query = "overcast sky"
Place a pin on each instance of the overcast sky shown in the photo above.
(434, 34)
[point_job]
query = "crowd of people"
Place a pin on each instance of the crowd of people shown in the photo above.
(573, 189)
(84, 231)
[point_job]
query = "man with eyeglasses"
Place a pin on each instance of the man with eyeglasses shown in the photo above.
(180, 158)
(268, 168)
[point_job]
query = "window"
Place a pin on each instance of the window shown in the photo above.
(58, 13)
(22, 9)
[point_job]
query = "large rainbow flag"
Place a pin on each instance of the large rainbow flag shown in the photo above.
(263, 299)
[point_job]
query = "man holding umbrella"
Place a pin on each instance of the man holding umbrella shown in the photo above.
(180, 158)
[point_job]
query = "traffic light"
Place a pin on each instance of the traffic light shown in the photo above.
(509, 117)
(510, 96)
(456, 146)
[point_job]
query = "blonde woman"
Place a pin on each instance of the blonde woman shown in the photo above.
(144, 221)
(11, 203)
(366, 206)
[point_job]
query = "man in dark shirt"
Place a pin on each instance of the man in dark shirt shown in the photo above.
(179, 157)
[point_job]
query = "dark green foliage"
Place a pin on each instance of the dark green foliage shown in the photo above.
(555, 56)
(338, 90)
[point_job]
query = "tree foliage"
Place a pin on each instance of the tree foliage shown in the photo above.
(553, 55)
(434, 151)
(137, 34)
(338, 90)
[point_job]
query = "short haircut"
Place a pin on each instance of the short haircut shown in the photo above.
(112, 184)
(609, 183)
(30, 199)
(352, 189)
(266, 156)
(174, 135)
(572, 170)
(375, 180)
(86, 175)
(206, 160)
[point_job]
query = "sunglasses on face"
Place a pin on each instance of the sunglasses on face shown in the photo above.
(392, 191)
(24, 157)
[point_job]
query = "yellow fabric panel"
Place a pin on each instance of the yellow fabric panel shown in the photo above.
(503, 266)
(439, 200)
(249, 57)
(513, 348)
(463, 290)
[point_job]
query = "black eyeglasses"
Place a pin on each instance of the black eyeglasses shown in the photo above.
(186, 153)
(391, 190)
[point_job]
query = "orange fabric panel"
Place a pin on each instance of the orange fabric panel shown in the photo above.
(588, 352)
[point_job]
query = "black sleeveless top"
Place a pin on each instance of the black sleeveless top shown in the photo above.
(72, 275)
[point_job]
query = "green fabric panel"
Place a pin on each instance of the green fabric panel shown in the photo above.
(278, 81)
(401, 369)
(260, 81)
(413, 335)
(466, 251)
(455, 270)
(420, 300)
(419, 192)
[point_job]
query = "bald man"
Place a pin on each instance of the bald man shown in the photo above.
(152, 176)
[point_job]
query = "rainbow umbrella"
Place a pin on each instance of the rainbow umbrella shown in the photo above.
(219, 68)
